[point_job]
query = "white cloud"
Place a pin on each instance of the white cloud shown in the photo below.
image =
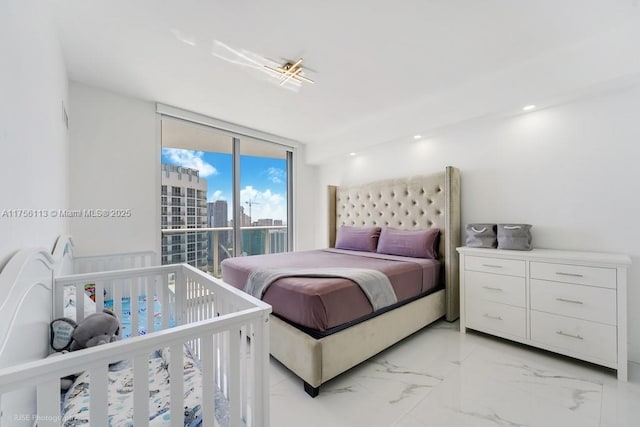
(276, 175)
(264, 204)
(217, 195)
(190, 159)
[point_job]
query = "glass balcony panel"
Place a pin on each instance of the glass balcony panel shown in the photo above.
(206, 248)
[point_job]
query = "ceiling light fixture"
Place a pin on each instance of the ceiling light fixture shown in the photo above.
(416, 137)
(290, 71)
(528, 107)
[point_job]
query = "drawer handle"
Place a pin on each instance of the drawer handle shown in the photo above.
(491, 288)
(492, 317)
(559, 273)
(492, 265)
(569, 300)
(564, 334)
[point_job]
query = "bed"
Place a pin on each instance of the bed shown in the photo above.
(182, 324)
(319, 341)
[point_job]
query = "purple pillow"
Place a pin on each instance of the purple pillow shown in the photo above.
(357, 238)
(411, 243)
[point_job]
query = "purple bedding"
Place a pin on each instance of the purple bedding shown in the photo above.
(324, 303)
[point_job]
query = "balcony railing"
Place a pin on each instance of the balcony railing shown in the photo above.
(172, 203)
(171, 222)
(215, 244)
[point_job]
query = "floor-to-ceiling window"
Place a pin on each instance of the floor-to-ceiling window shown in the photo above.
(222, 195)
(263, 198)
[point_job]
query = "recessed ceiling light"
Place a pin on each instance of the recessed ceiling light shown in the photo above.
(417, 136)
(352, 154)
(528, 107)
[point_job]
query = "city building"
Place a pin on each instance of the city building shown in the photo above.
(183, 205)
(278, 240)
(253, 241)
(218, 216)
(245, 219)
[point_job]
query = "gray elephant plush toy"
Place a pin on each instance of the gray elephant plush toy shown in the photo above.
(95, 329)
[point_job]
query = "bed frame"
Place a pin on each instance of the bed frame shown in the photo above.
(413, 203)
(226, 329)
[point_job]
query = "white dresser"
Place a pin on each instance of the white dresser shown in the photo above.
(573, 303)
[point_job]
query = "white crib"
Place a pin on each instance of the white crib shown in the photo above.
(224, 329)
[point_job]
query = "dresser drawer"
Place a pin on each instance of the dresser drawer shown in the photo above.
(495, 287)
(578, 336)
(583, 302)
(511, 267)
(493, 317)
(579, 274)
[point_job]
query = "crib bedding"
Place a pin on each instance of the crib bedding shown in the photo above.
(143, 329)
(322, 304)
(120, 401)
(125, 321)
(70, 303)
(120, 377)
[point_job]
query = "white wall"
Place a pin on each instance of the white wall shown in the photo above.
(305, 203)
(572, 171)
(114, 164)
(33, 87)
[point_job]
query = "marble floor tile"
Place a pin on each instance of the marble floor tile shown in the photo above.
(342, 402)
(439, 377)
(621, 404)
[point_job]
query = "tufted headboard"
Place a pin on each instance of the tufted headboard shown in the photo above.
(418, 202)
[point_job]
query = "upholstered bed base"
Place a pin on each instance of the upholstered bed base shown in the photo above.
(318, 360)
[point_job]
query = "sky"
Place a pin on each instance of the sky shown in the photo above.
(262, 180)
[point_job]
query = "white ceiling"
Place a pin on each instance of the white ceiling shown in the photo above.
(384, 70)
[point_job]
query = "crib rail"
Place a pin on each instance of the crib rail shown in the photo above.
(225, 329)
(117, 261)
(150, 286)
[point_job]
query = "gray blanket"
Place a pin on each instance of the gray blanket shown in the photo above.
(373, 283)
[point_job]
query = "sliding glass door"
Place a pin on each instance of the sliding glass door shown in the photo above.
(263, 198)
(222, 195)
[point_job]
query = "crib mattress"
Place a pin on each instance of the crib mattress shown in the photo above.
(323, 304)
